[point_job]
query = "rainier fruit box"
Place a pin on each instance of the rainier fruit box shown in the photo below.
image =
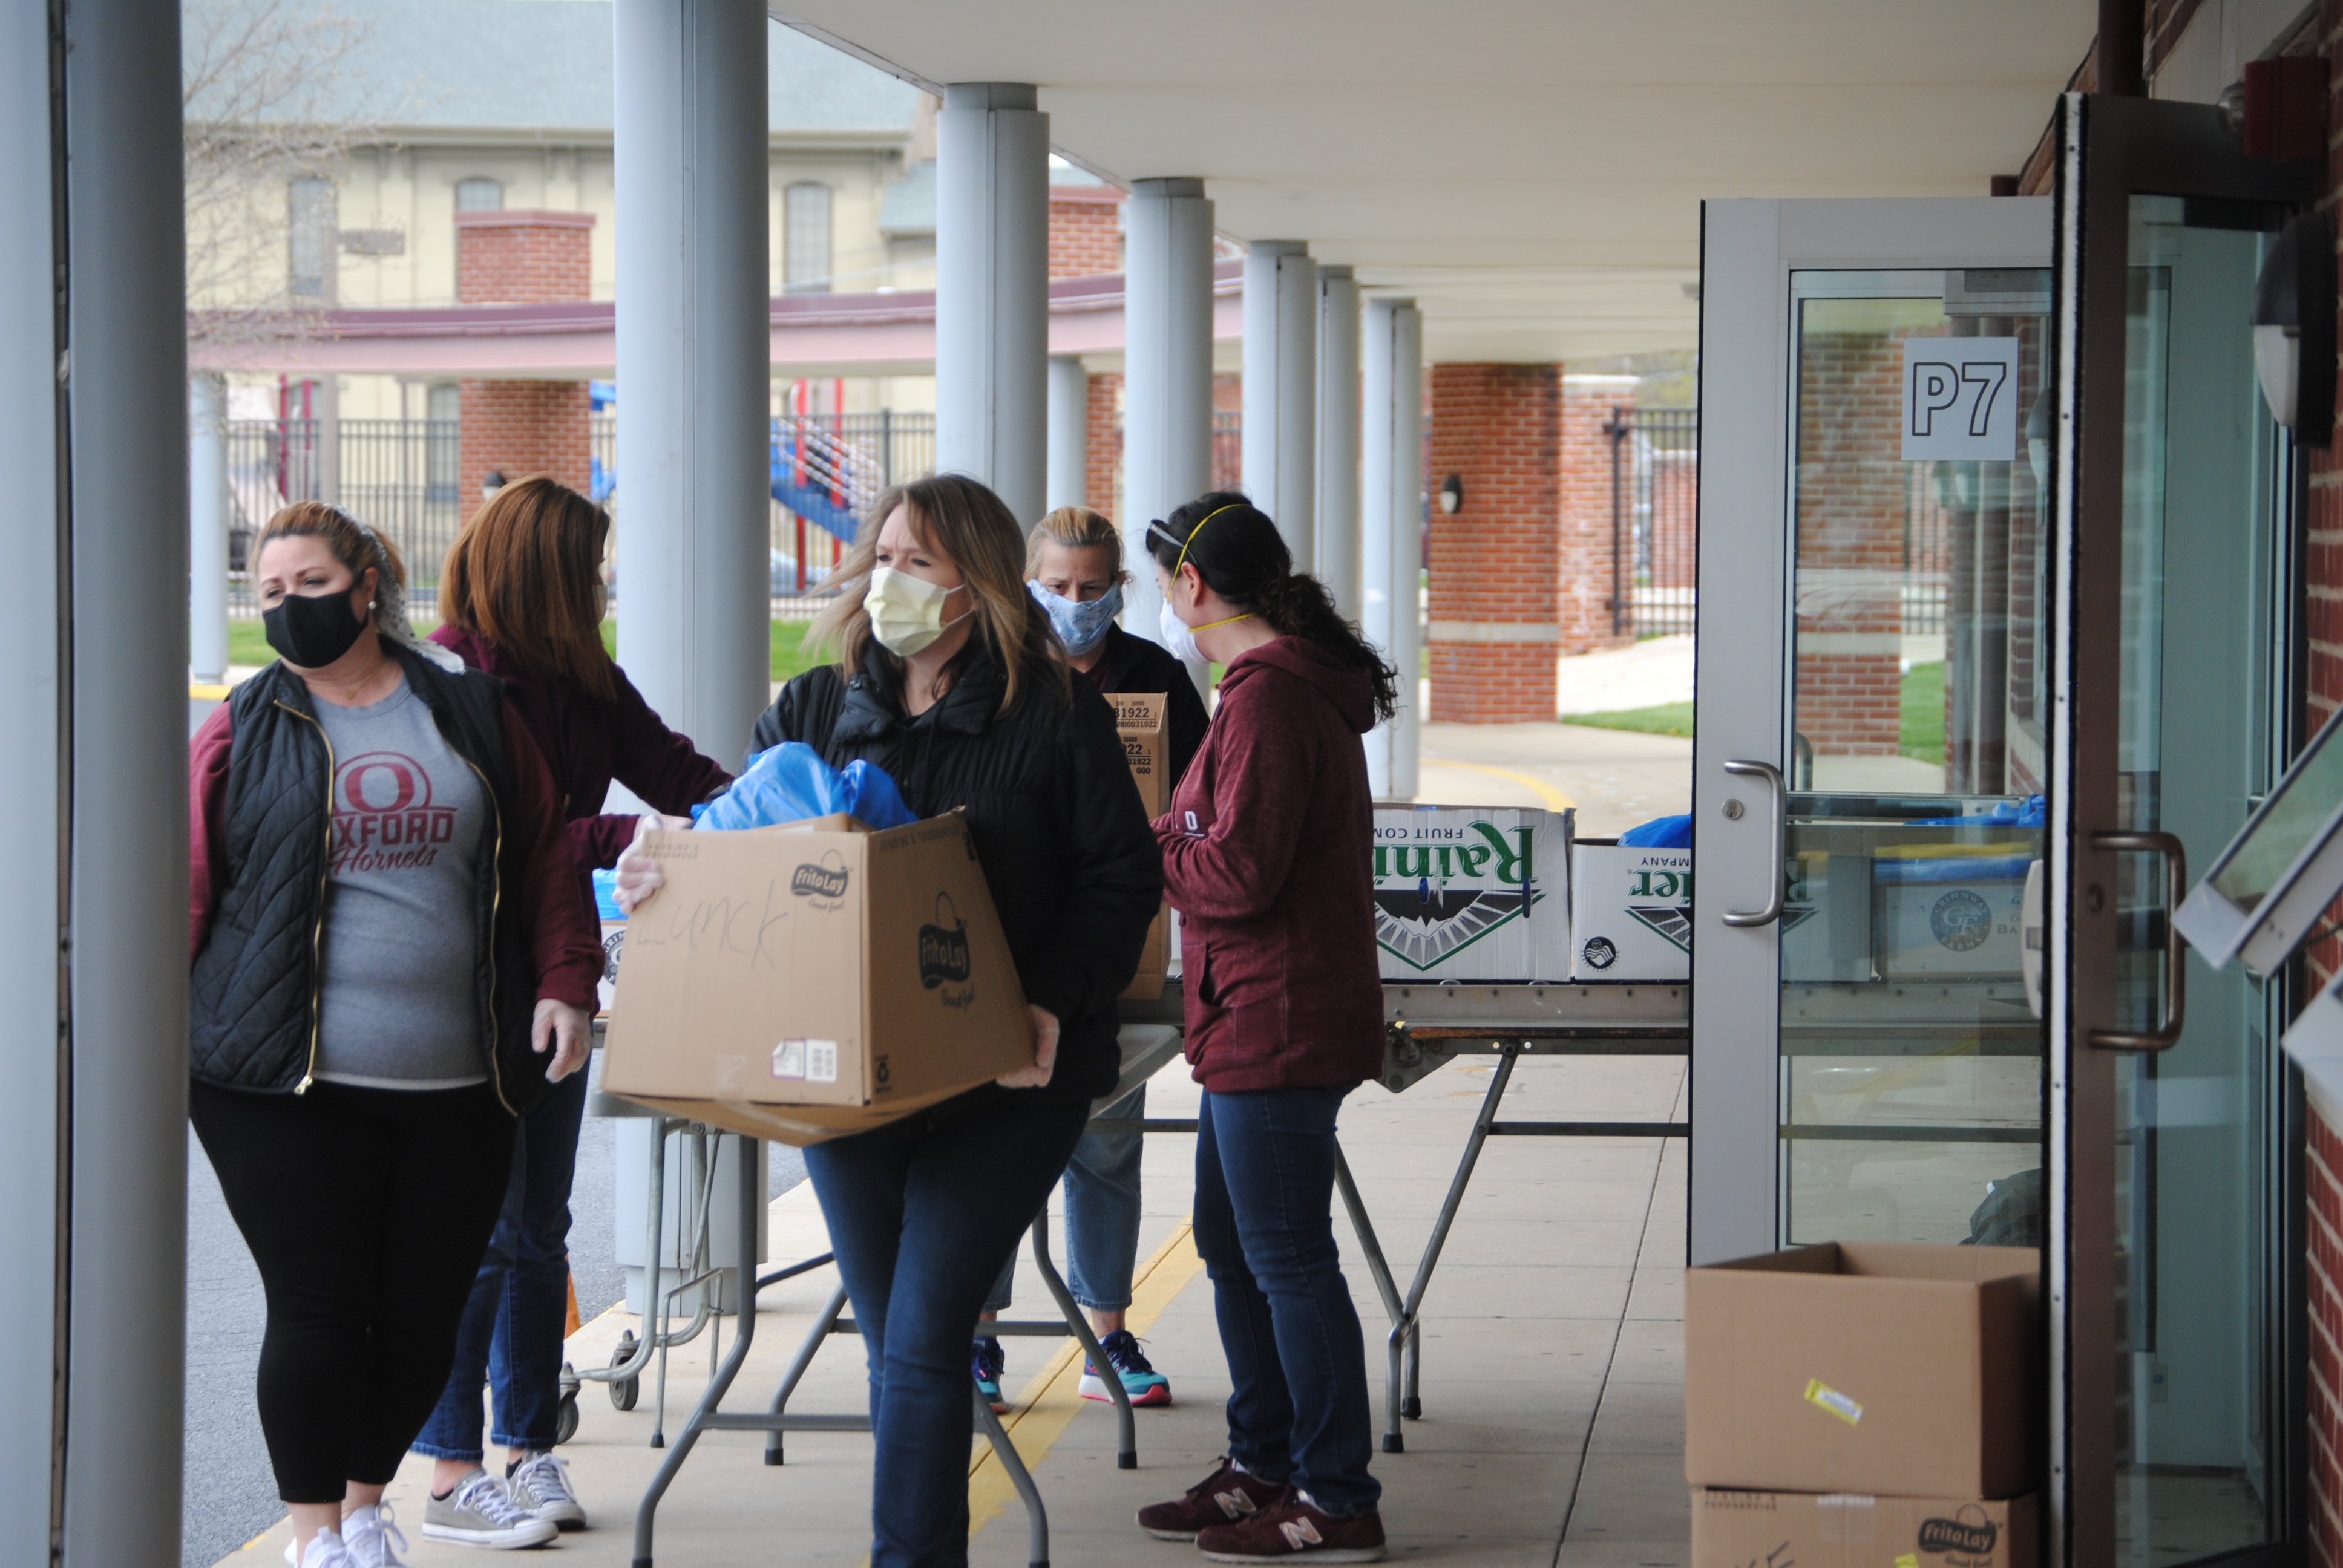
(804, 981)
(1631, 913)
(1844, 1530)
(1472, 892)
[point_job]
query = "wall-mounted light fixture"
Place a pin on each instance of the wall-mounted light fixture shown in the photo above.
(491, 482)
(2294, 328)
(1452, 495)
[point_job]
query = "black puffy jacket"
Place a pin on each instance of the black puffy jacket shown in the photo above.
(1065, 844)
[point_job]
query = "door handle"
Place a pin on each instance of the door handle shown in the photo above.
(1773, 777)
(2176, 984)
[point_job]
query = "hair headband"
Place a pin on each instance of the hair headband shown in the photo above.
(1159, 527)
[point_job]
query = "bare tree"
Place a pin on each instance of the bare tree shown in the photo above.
(269, 99)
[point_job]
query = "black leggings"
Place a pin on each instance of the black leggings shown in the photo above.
(367, 1210)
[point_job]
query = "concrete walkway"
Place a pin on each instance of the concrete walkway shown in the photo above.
(1615, 778)
(1552, 1395)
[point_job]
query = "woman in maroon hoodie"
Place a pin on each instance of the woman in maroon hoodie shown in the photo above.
(521, 598)
(1266, 856)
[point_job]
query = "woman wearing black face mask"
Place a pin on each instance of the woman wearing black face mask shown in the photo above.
(391, 957)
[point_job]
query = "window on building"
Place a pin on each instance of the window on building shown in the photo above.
(443, 408)
(312, 259)
(805, 239)
(479, 196)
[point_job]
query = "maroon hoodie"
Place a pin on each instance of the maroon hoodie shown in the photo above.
(1268, 856)
(588, 742)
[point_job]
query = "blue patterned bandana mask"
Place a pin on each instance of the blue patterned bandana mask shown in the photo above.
(1081, 626)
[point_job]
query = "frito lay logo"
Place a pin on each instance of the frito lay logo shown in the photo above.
(943, 947)
(384, 820)
(826, 881)
(1972, 1533)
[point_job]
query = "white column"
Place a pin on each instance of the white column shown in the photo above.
(694, 446)
(992, 289)
(1070, 437)
(30, 615)
(1167, 385)
(95, 1164)
(1281, 385)
(207, 514)
(1391, 506)
(326, 406)
(1337, 554)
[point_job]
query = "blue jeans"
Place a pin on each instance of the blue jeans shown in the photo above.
(512, 1328)
(1264, 1227)
(1102, 1216)
(921, 1214)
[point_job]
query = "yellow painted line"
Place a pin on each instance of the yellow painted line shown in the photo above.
(207, 693)
(1047, 1405)
(1555, 800)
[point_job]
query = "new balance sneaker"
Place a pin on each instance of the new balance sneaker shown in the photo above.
(1292, 1528)
(990, 1362)
(1141, 1381)
(372, 1537)
(1226, 1496)
(325, 1552)
(480, 1512)
(540, 1483)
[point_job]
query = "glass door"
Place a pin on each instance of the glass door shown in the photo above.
(1870, 755)
(2171, 1239)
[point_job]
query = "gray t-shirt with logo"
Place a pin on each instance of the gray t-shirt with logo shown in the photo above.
(398, 1004)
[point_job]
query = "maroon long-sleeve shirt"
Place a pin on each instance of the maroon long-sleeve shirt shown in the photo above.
(1268, 854)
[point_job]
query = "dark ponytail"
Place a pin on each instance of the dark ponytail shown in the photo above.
(1240, 556)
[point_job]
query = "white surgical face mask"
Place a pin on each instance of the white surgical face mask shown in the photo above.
(907, 613)
(1176, 636)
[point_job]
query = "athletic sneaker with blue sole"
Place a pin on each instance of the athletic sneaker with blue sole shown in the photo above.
(1141, 1381)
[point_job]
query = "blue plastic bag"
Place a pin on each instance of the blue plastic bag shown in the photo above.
(1659, 833)
(2032, 813)
(606, 896)
(792, 782)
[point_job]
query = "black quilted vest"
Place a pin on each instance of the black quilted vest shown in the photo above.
(253, 993)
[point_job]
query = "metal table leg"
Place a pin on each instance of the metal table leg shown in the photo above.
(823, 1325)
(1371, 1248)
(1036, 1518)
(704, 1418)
(1126, 1456)
(1399, 1386)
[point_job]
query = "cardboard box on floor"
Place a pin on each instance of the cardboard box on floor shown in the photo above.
(1776, 1529)
(1878, 1368)
(1140, 718)
(801, 983)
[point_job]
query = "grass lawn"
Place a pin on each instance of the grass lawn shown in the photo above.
(1667, 718)
(1923, 725)
(246, 644)
(1923, 732)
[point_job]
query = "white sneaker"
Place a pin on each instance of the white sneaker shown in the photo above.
(541, 1485)
(325, 1552)
(481, 1512)
(371, 1537)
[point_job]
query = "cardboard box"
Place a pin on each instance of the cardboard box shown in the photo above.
(1630, 913)
(1472, 892)
(1951, 916)
(1140, 718)
(805, 981)
(1777, 1529)
(1883, 1368)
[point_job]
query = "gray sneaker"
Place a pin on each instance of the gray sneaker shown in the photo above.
(481, 1512)
(541, 1485)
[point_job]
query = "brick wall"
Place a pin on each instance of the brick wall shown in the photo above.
(1589, 568)
(1495, 562)
(1102, 485)
(1085, 231)
(515, 428)
(2322, 619)
(1852, 503)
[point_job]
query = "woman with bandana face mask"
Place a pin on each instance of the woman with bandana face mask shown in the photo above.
(1073, 567)
(948, 678)
(392, 960)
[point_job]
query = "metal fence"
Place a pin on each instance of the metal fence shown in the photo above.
(1228, 449)
(1926, 565)
(398, 474)
(1655, 507)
